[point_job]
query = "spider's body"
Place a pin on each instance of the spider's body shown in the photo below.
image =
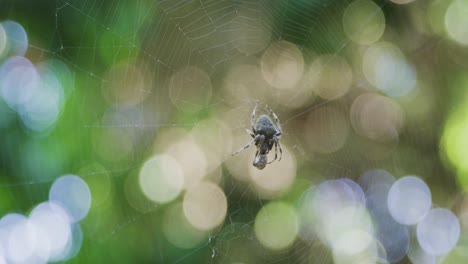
(265, 135)
(265, 126)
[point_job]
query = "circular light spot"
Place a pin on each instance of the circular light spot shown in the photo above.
(330, 76)
(307, 216)
(191, 159)
(74, 243)
(456, 21)
(363, 22)
(377, 117)
(18, 80)
(244, 82)
(125, 84)
(376, 199)
(438, 232)
(282, 65)
(393, 237)
(357, 190)
(276, 225)
(190, 89)
(276, 177)
(352, 219)
(206, 136)
(21, 242)
(455, 140)
(248, 33)
(205, 205)
(386, 67)
(161, 178)
(178, 230)
(374, 177)
(71, 192)
(7, 224)
(17, 39)
(409, 200)
(332, 198)
(43, 108)
(61, 71)
(418, 256)
(327, 130)
(352, 243)
(53, 222)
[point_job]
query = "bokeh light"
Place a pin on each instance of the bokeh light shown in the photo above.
(456, 21)
(377, 117)
(276, 225)
(418, 256)
(16, 39)
(71, 192)
(38, 97)
(282, 65)
(275, 178)
(375, 177)
(327, 130)
(190, 88)
(18, 80)
(409, 200)
(250, 37)
(191, 159)
(125, 84)
(363, 22)
(387, 69)
(21, 241)
(119, 121)
(205, 205)
(74, 244)
(244, 81)
(161, 178)
(330, 76)
(335, 198)
(54, 224)
(392, 236)
(179, 231)
(355, 246)
(438, 232)
(46, 102)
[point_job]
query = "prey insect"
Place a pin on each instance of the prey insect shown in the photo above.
(265, 134)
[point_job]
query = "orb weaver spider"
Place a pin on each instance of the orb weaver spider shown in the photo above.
(265, 134)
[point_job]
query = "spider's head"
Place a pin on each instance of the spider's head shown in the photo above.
(260, 161)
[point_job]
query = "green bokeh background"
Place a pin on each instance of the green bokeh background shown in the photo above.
(91, 36)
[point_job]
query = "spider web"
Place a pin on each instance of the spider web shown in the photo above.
(160, 38)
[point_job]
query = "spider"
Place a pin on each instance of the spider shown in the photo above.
(265, 134)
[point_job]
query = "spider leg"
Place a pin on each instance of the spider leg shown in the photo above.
(278, 124)
(248, 145)
(276, 152)
(252, 118)
(250, 133)
(281, 151)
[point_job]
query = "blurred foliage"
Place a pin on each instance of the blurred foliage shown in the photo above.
(105, 137)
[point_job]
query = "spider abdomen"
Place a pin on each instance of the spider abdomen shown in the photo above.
(265, 126)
